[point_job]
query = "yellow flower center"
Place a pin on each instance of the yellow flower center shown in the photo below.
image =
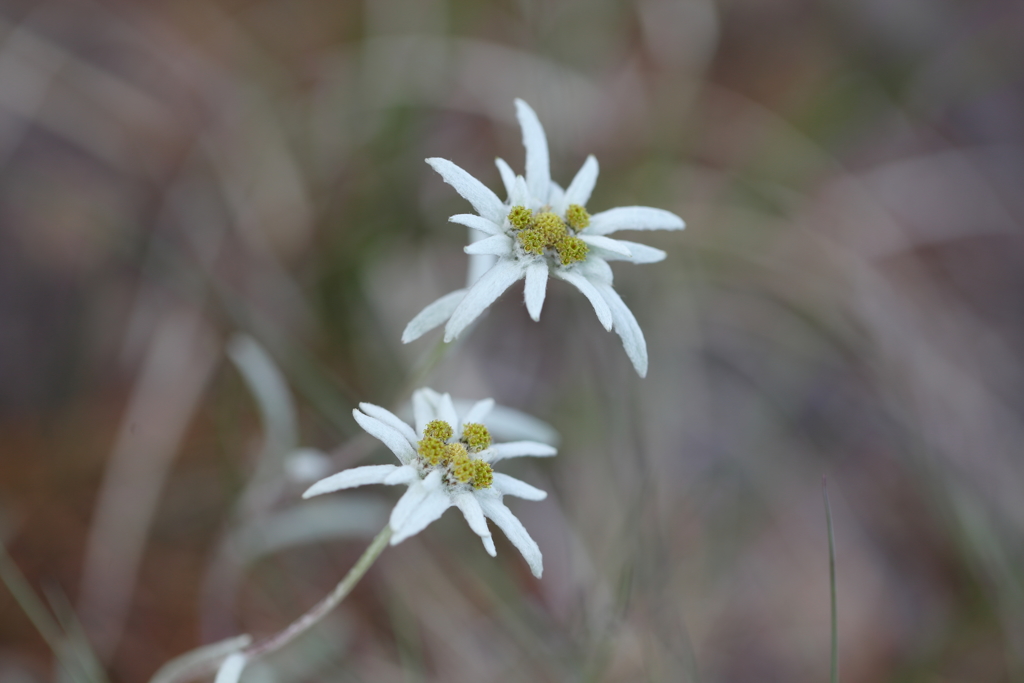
(476, 436)
(457, 457)
(438, 429)
(547, 230)
(577, 217)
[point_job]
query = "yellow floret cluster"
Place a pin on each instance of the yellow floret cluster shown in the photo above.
(547, 230)
(457, 456)
(476, 436)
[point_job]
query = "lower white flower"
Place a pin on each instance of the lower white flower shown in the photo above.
(445, 461)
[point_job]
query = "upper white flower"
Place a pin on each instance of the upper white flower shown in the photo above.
(543, 230)
(445, 461)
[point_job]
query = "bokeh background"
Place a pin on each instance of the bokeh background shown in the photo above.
(847, 300)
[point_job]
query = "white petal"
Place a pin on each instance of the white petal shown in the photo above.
(498, 245)
(510, 486)
(628, 329)
(478, 265)
(582, 185)
(391, 437)
(536, 288)
(411, 500)
(508, 177)
(641, 253)
(521, 195)
(391, 420)
(538, 169)
(432, 316)
(634, 218)
(405, 475)
(514, 530)
(479, 411)
(582, 283)
(446, 411)
(510, 424)
(556, 198)
(347, 479)
(467, 503)
(595, 269)
(424, 407)
(516, 449)
(475, 222)
(304, 465)
(231, 669)
(472, 190)
(429, 510)
(606, 243)
(481, 295)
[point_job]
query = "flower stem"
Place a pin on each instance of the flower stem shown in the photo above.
(328, 603)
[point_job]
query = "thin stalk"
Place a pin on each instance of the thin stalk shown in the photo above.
(328, 603)
(300, 625)
(834, 675)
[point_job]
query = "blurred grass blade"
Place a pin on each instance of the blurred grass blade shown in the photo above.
(37, 613)
(202, 660)
(834, 670)
(76, 644)
(270, 389)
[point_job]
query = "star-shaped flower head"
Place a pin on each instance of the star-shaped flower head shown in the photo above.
(542, 230)
(445, 461)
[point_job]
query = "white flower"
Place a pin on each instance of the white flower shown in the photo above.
(445, 461)
(543, 230)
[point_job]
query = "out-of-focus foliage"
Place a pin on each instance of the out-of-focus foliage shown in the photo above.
(846, 300)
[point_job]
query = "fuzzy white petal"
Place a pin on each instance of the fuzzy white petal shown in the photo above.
(556, 198)
(404, 475)
(582, 283)
(596, 269)
(510, 486)
(479, 411)
(515, 531)
(497, 245)
(231, 668)
(478, 265)
(391, 420)
(582, 185)
(470, 507)
(429, 510)
(481, 295)
(516, 449)
(536, 288)
(509, 424)
(607, 243)
(628, 329)
(424, 407)
(538, 169)
(347, 479)
(433, 315)
(508, 176)
(472, 190)
(389, 436)
(411, 500)
(634, 218)
(640, 253)
(446, 411)
(521, 195)
(479, 223)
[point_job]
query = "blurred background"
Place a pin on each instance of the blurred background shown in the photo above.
(847, 300)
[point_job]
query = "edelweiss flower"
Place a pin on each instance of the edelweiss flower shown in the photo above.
(543, 230)
(445, 461)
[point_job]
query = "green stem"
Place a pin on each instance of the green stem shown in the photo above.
(834, 676)
(328, 603)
